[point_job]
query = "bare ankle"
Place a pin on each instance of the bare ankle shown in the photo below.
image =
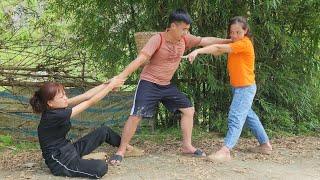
(266, 145)
(225, 149)
(188, 149)
(121, 151)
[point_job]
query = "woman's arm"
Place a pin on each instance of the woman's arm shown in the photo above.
(216, 50)
(114, 83)
(133, 66)
(85, 96)
(206, 41)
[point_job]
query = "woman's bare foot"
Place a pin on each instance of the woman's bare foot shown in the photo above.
(222, 155)
(263, 149)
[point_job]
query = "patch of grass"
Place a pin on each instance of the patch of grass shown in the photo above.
(8, 142)
(26, 145)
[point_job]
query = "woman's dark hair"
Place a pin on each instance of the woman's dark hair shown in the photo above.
(45, 93)
(241, 20)
(179, 15)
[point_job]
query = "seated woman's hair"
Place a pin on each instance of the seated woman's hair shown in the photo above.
(44, 94)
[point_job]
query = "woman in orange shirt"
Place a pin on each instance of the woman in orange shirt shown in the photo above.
(242, 79)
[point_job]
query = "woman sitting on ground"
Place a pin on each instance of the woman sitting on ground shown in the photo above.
(62, 157)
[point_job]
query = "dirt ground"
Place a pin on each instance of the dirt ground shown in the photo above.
(292, 158)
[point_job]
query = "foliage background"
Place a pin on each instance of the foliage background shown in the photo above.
(98, 35)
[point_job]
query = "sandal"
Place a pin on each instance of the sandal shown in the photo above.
(117, 158)
(196, 153)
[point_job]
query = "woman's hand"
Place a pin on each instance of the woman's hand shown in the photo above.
(116, 82)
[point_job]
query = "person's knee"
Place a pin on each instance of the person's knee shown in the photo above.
(237, 116)
(188, 111)
(235, 121)
(104, 129)
(102, 168)
(134, 119)
(103, 133)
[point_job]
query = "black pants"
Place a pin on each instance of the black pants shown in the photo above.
(67, 160)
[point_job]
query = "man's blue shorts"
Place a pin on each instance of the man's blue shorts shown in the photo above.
(149, 94)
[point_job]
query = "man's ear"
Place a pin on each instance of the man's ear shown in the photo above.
(172, 26)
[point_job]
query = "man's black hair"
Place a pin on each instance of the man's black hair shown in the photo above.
(179, 15)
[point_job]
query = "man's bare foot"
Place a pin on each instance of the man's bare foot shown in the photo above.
(188, 149)
(222, 155)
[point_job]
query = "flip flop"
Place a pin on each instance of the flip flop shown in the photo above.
(115, 158)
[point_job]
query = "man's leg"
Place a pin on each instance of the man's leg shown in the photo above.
(175, 100)
(186, 127)
(128, 131)
(145, 100)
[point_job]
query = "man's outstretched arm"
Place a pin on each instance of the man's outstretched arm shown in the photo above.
(134, 65)
(206, 41)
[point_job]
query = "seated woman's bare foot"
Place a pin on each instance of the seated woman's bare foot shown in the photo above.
(95, 155)
(134, 151)
(222, 155)
(129, 147)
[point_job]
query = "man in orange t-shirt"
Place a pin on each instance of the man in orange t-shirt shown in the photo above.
(163, 53)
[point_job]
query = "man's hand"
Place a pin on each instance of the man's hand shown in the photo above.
(192, 56)
(116, 82)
